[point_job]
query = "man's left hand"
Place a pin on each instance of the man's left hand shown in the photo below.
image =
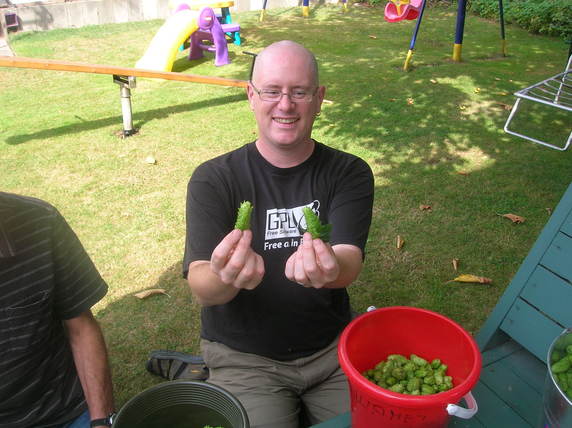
(314, 264)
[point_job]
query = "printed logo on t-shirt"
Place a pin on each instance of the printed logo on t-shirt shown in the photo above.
(287, 222)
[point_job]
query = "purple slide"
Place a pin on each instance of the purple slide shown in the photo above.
(210, 30)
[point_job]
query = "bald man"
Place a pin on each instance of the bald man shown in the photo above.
(274, 299)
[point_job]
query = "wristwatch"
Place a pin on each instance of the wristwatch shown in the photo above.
(103, 422)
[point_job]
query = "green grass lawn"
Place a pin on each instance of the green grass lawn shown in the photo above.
(432, 136)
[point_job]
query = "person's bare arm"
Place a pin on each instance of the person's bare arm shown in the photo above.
(233, 266)
(90, 357)
(319, 265)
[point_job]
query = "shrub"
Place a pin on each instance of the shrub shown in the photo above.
(548, 17)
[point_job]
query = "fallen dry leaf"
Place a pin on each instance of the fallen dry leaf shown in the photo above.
(472, 278)
(152, 291)
(432, 80)
(410, 101)
(549, 211)
(513, 217)
(455, 263)
(477, 90)
(371, 36)
(424, 207)
(392, 99)
(462, 173)
(504, 106)
(399, 242)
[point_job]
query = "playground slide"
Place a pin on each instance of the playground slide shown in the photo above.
(162, 50)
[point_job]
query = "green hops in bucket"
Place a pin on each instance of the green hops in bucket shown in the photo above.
(412, 376)
(561, 368)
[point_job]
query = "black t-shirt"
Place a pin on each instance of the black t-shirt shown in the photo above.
(46, 277)
(279, 319)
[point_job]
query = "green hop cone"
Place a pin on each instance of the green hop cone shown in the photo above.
(243, 216)
(315, 226)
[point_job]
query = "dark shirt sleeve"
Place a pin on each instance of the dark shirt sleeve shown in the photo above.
(78, 284)
(209, 215)
(45, 278)
(351, 207)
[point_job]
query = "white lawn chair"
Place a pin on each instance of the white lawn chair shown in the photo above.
(555, 92)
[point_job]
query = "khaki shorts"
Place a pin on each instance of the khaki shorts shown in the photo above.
(280, 394)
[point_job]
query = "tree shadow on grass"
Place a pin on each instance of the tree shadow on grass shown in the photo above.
(139, 118)
(434, 136)
(134, 327)
(421, 131)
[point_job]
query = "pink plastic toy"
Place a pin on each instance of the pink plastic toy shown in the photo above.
(397, 10)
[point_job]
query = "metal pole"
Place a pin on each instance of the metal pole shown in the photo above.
(461, 9)
(252, 64)
(414, 38)
(306, 8)
(262, 12)
(125, 84)
(503, 39)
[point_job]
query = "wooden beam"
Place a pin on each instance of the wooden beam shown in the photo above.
(48, 64)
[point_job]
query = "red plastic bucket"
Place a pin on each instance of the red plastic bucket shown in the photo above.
(405, 330)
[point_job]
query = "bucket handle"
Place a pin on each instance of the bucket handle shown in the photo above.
(462, 412)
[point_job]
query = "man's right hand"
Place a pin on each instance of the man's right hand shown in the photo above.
(235, 262)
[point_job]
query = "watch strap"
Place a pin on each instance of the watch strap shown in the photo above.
(102, 422)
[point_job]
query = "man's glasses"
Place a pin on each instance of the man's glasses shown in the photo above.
(274, 95)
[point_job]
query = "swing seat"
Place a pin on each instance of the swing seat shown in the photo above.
(409, 11)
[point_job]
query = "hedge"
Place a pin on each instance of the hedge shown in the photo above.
(548, 17)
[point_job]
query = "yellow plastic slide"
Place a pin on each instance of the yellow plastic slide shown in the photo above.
(162, 50)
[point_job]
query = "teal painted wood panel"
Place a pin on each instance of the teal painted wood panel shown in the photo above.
(567, 225)
(558, 256)
(508, 384)
(345, 421)
(493, 411)
(509, 393)
(474, 422)
(551, 294)
(528, 368)
(500, 352)
(342, 421)
(488, 334)
(529, 327)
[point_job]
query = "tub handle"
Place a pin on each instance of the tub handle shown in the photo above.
(462, 412)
